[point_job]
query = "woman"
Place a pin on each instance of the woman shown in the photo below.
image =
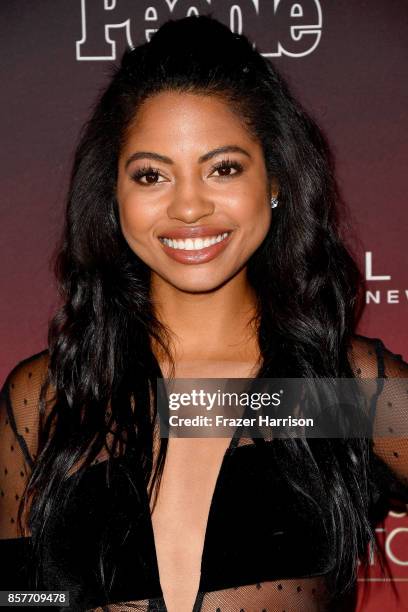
(201, 240)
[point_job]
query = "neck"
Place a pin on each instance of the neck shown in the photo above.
(215, 325)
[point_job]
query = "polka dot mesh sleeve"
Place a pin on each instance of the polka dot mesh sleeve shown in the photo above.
(19, 418)
(390, 437)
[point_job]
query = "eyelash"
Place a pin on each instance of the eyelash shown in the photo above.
(228, 163)
(225, 163)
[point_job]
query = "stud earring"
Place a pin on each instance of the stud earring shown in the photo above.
(274, 202)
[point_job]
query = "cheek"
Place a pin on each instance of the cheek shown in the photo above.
(254, 214)
(135, 219)
(135, 216)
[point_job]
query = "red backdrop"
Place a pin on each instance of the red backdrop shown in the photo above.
(346, 61)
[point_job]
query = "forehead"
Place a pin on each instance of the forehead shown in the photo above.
(187, 119)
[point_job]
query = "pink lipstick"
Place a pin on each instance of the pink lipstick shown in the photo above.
(194, 245)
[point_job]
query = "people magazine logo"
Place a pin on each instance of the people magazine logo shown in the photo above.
(278, 27)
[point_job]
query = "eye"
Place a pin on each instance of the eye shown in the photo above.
(149, 173)
(225, 166)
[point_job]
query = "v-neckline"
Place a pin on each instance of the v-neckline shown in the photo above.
(233, 443)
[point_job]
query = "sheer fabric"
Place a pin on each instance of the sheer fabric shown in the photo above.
(262, 552)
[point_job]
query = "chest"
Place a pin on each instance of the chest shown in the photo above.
(240, 525)
(180, 515)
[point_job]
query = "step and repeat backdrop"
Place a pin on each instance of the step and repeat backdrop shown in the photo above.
(346, 61)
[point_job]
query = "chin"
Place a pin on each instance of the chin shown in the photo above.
(197, 285)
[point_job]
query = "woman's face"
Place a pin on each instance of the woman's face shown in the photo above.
(192, 190)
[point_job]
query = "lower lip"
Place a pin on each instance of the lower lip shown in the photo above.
(197, 256)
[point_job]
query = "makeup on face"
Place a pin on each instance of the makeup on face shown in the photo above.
(192, 245)
(192, 190)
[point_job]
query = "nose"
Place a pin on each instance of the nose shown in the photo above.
(189, 201)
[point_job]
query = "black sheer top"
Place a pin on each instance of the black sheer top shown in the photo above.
(263, 551)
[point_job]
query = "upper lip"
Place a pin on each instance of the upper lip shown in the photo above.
(194, 232)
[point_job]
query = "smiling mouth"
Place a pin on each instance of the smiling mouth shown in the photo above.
(194, 244)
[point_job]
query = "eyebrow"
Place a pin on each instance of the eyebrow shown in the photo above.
(167, 160)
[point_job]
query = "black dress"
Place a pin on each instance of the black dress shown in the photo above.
(264, 549)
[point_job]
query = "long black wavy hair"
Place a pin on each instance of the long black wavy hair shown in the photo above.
(101, 364)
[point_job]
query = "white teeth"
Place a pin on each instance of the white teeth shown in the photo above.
(195, 244)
